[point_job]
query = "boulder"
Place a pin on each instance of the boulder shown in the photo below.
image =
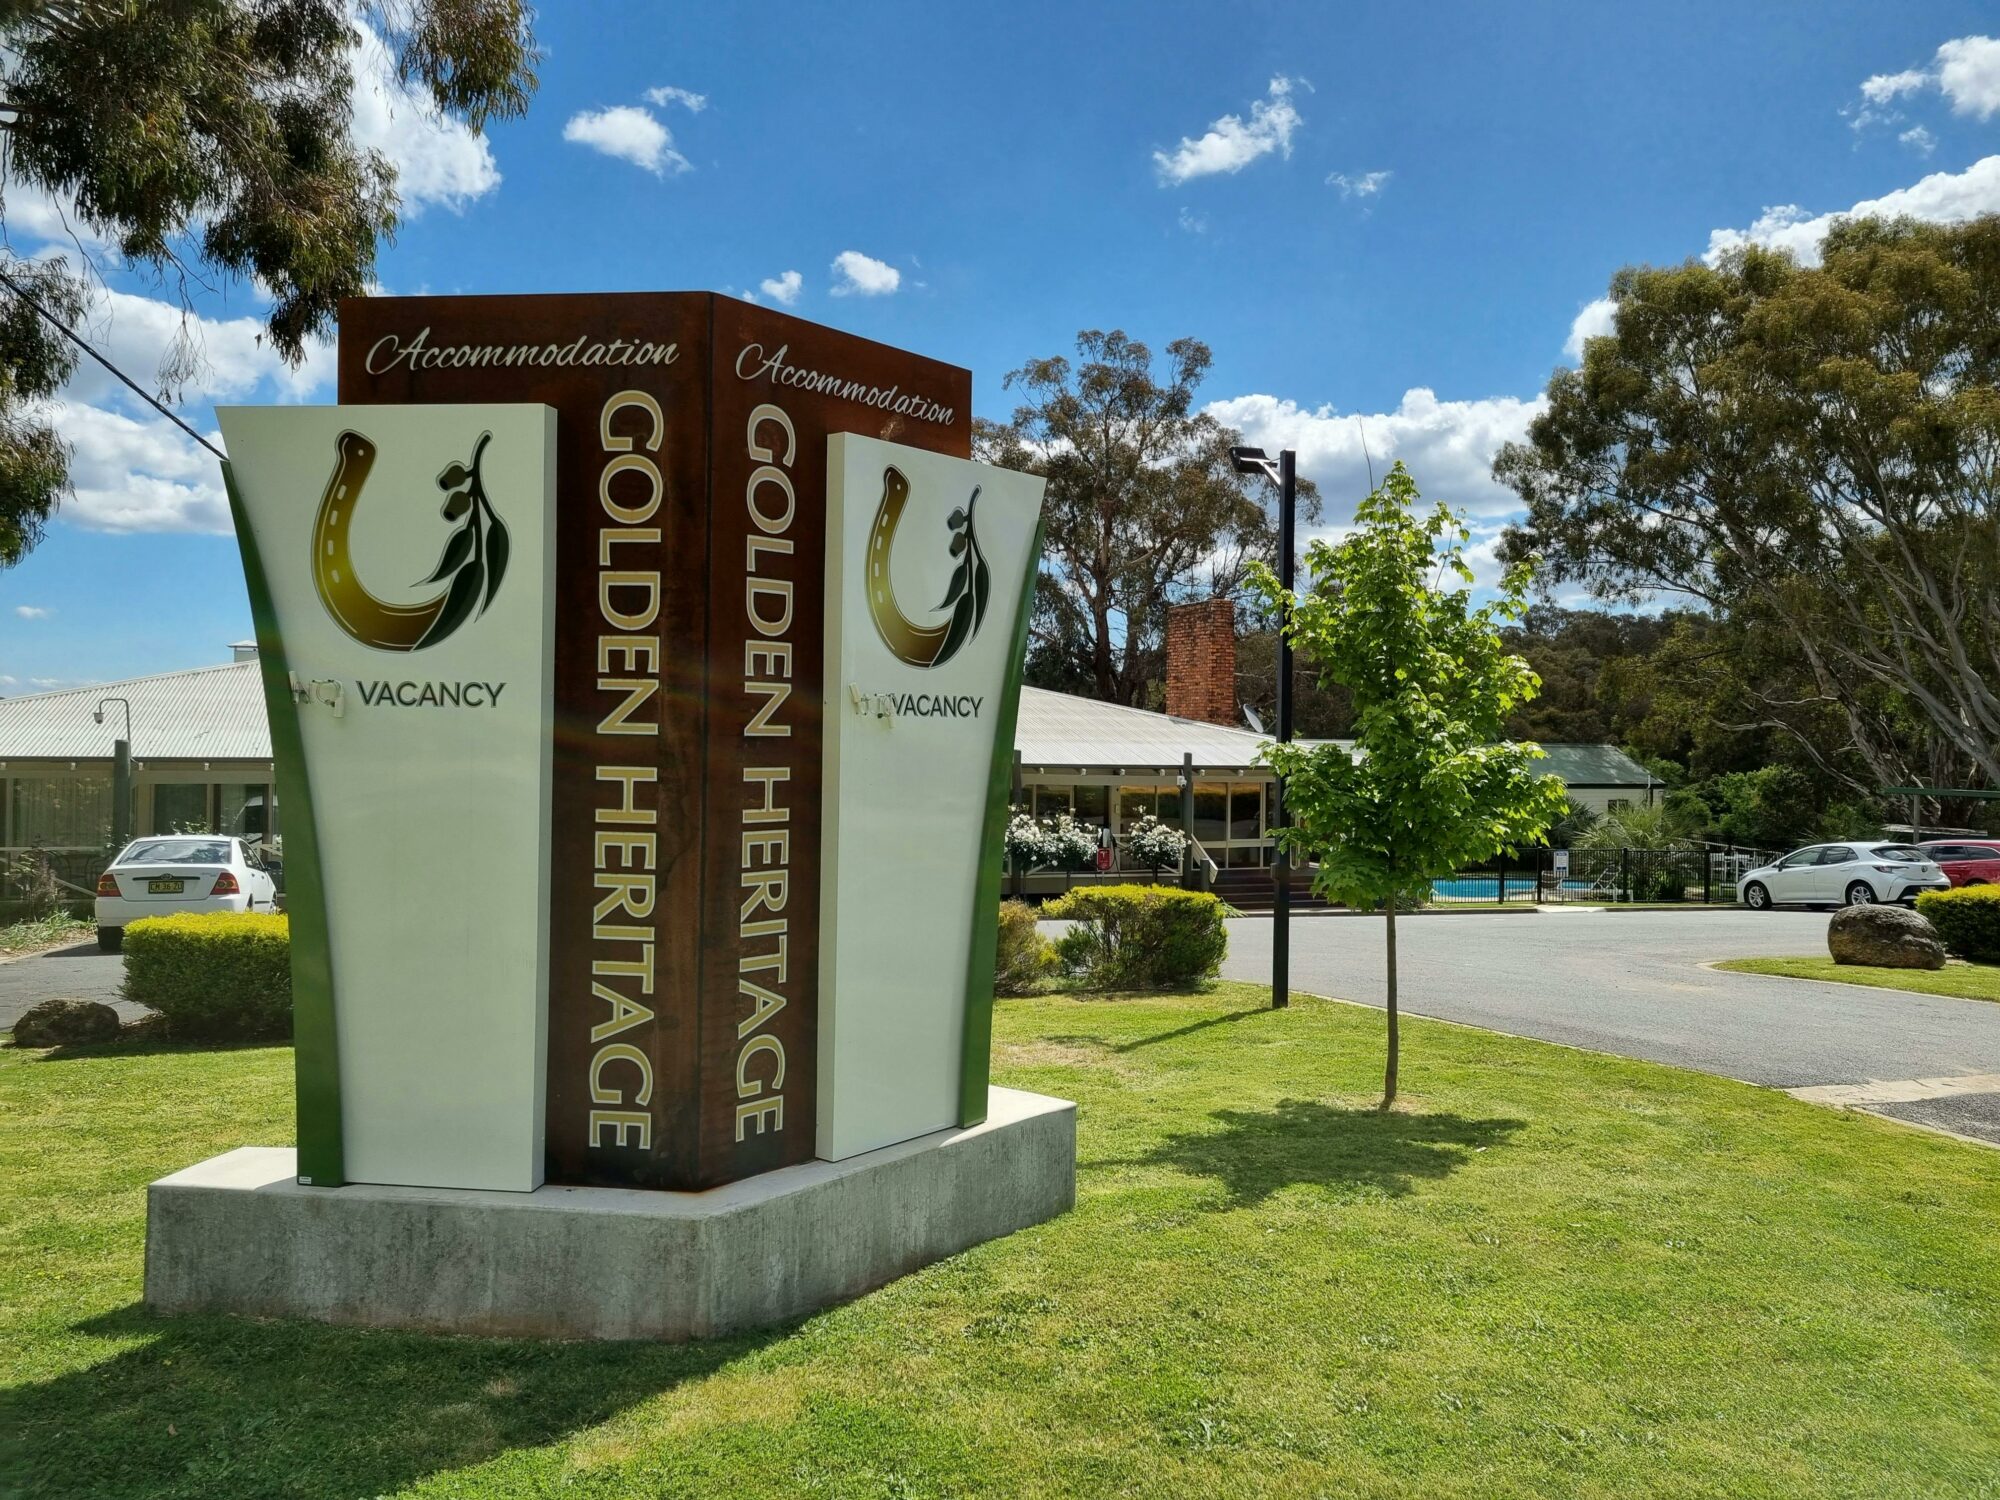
(55, 1023)
(1887, 937)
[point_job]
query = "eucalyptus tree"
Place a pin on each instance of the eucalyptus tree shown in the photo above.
(1813, 453)
(1143, 509)
(192, 138)
(1430, 785)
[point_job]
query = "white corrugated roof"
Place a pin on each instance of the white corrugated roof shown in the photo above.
(208, 713)
(1059, 731)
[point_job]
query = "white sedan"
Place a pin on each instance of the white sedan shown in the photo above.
(1853, 874)
(180, 872)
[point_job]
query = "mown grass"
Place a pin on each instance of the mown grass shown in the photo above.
(1961, 980)
(1550, 1273)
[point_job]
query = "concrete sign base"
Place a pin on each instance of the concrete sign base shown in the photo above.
(237, 1234)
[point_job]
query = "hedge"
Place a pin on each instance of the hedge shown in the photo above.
(1967, 920)
(1023, 957)
(1132, 937)
(213, 975)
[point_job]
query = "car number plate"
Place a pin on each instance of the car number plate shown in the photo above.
(165, 887)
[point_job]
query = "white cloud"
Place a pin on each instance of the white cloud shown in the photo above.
(1968, 70)
(1447, 445)
(863, 276)
(1193, 223)
(1231, 143)
(785, 289)
(1941, 198)
(1362, 185)
(1919, 140)
(1596, 319)
(1886, 88)
(438, 160)
(140, 474)
(32, 611)
(687, 98)
(630, 134)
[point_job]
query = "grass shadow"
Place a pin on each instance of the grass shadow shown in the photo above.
(1258, 1152)
(216, 1407)
(1192, 1027)
(149, 1035)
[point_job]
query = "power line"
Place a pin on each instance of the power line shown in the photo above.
(60, 327)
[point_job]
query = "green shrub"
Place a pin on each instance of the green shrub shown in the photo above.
(1024, 957)
(1967, 920)
(1137, 937)
(214, 975)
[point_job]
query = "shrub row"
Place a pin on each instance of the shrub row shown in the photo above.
(219, 976)
(1967, 920)
(1131, 937)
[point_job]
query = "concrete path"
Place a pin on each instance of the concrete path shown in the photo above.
(78, 972)
(1633, 983)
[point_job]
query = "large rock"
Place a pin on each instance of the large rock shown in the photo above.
(1885, 937)
(54, 1023)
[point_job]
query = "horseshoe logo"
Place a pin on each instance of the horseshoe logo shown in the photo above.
(925, 645)
(474, 556)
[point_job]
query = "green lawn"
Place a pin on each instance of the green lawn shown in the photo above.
(1964, 981)
(1552, 1274)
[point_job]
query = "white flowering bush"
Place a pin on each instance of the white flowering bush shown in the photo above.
(1028, 842)
(1154, 845)
(1059, 843)
(1073, 844)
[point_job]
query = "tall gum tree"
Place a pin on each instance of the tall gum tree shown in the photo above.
(1814, 454)
(1430, 786)
(1143, 507)
(209, 136)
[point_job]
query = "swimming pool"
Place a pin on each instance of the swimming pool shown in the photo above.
(1487, 888)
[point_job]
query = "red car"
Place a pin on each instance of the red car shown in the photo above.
(1967, 861)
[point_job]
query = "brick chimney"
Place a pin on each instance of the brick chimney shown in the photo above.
(1201, 661)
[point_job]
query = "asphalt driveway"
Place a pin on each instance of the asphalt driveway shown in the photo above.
(79, 972)
(1632, 983)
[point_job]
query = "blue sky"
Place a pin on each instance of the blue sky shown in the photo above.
(1403, 218)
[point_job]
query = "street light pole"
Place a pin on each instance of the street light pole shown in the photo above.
(121, 774)
(1284, 474)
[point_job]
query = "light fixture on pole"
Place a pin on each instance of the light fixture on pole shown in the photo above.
(1284, 474)
(121, 774)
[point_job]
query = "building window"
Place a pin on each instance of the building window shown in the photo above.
(180, 807)
(1051, 801)
(62, 812)
(1093, 805)
(1211, 812)
(1617, 804)
(1245, 801)
(1136, 802)
(244, 810)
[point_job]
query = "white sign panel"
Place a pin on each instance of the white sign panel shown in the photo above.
(926, 558)
(409, 554)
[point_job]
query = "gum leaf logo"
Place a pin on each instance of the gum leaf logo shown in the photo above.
(966, 596)
(971, 584)
(474, 557)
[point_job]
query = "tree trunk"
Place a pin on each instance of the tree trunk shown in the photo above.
(1395, 1039)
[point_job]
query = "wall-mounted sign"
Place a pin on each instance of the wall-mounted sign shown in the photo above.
(700, 560)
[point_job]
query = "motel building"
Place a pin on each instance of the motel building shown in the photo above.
(201, 760)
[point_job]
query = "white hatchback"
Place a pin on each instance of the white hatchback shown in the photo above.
(1842, 875)
(180, 872)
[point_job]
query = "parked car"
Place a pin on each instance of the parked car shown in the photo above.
(181, 872)
(1966, 861)
(1841, 875)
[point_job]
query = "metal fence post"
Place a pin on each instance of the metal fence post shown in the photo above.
(1503, 877)
(1708, 877)
(1625, 875)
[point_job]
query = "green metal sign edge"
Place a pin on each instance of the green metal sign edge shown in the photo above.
(315, 1044)
(976, 1059)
